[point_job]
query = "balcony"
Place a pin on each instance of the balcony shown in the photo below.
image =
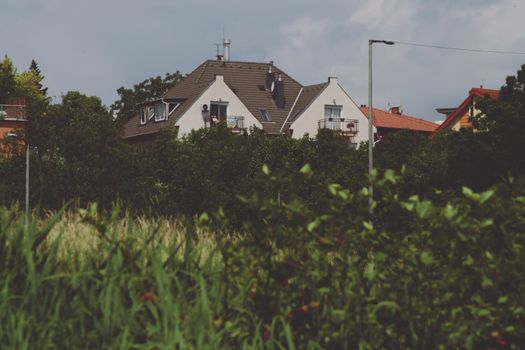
(236, 124)
(12, 112)
(348, 127)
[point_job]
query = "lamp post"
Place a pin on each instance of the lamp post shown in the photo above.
(14, 136)
(370, 116)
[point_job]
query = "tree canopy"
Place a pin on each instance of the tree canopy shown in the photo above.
(149, 88)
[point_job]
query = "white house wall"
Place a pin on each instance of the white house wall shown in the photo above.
(333, 94)
(217, 91)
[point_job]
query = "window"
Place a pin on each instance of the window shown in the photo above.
(265, 116)
(143, 116)
(218, 111)
(150, 112)
(160, 112)
(332, 116)
(332, 112)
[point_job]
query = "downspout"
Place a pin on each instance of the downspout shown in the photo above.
(291, 109)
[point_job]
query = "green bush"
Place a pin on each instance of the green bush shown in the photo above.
(417, 274)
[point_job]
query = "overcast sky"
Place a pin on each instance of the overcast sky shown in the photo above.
(97, 46)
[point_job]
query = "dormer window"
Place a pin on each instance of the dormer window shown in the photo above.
(150, 112)
(172, 107)
(265, 116)
(160, 112)
(143, 116)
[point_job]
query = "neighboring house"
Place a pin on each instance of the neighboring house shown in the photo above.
(12, 120)
(246, 95)
(393, 120)
(460, 117)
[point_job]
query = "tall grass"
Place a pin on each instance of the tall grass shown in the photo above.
(82, 282)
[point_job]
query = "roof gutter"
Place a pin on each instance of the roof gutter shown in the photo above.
(291, 110)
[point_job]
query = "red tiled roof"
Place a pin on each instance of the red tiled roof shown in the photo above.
(384, 119)
(463, 107)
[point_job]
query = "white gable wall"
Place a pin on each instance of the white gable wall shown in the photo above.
(333, 94)
(217, 91)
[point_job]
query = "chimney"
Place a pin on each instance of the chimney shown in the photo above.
(226, 49)
(395, 110)
(270, 78)
(278, 93)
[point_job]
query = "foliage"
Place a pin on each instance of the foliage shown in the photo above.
(149, 88)
(416, 275)
(7, 78)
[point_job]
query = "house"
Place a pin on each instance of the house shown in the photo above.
(460, 117)
(393, 120)
(246, 95)
(12, 120)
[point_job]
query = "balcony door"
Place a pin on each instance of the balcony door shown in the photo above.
(218, 111)
(332, 116)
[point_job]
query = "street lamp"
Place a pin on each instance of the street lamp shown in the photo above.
(12, 136)
(370, 130)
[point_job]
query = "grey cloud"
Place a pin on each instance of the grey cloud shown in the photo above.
(97, 46)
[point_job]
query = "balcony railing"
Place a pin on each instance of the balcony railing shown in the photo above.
(345, 126)
(16, 112)
(235, 123)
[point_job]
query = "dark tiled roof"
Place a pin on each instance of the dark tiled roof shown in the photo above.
(246, 79)
(308, 94)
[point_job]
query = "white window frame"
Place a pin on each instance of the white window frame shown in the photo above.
(332, 108)
(143, 116)
(150, 112)
(160, 118)
(268, 119)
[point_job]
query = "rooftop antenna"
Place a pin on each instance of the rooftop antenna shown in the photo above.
(218, 55)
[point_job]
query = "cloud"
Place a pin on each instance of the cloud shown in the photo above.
(99, 45)
(303, 30)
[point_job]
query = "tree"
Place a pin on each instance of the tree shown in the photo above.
(503, 122)
(81, 152)
(7, 78)
(149, 88)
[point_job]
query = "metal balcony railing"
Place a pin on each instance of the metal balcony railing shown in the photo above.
(346, 126)
(16, 112)
(235, 123)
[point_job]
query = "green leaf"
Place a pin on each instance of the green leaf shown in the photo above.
(503, 299)
(467, 191)
(426, 258)
(486, 223)
(485, 196)
(334, 188)
(486, 282)
(370, 271)
(368, 225)
(266, 169)
(306, 169)
(449, 211)
(313, 225)
(483, 312)
(344, 195)
(469, 261)
(390, 176)
(424, 208)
